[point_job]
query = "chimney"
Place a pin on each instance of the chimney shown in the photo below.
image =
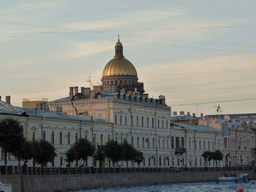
(182, 113)
(76, 90)
(188, 114)
(82, 89)
(174, 112)
(92, 94)
(202, 114)
(194, 115)
(162, 98)
(70, 93)
(8, 100)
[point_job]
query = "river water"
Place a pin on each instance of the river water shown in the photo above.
(184, 187)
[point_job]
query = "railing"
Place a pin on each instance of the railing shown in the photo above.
(91, 170)
(180, 150)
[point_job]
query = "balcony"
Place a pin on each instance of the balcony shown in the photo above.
(180, 151)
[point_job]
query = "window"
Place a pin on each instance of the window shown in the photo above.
(163, 144)
(167, 127)
(152, 122)
(189, 144)
(131, 120)
(172, 142)
(85, 136)
(177, 142)
(143, 142)
(162, 124)
(60, 137)
(138, 142)
(33, 136)
(149, 161)
(44, 136)
(115, 119)
(209, 145)
(94, 139)
(76, 137)
(158, 124)
(182, 142)
(52, 137)
(108, 137)
(121, 118)
(160, 163)
(142, 122)
(132, 141)
(148, 142)
(195, 144)
(125, 120)
(159, 146)
(147, 122)
(204, 145)
(153, 142)
(137, 121)
(200, 145)
(167, 144)
(213, 145)
(101, 139)
(68, 138)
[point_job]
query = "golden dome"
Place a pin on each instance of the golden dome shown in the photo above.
(119, 67)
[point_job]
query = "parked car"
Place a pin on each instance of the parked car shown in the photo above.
(174, 169)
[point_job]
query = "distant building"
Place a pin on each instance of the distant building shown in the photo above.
(236, 138)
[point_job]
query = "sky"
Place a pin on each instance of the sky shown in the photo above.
(198, 53)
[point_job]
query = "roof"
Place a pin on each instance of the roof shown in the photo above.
(12, 110)
(199, 128)
(180, 117)
(112, 96)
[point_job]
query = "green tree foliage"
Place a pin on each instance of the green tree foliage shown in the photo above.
(83, 148)
(11, 136)
(139, 157)
(129, 152)
(113, 150)
(70, 154)
(100, 155)
(26, 151)
(207, 155)
(217, 155)
(44, 152)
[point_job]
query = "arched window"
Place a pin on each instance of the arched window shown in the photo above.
(132, 120)
(162, 124)
(33, 136)
(68, 138)
(152, 122)
(153, 142)
(137, 121)
(60, 137)
(52, 137)
(44, 136)
(142, 122)
(147, 122)
(143, 142)
(121, 120)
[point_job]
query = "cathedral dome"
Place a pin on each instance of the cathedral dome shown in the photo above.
(120, 66)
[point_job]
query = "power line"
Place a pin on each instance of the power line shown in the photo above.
(224, 101)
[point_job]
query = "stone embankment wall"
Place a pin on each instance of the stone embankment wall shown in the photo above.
(51, 183)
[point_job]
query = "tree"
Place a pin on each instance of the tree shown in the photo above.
(26, 151)
(44, 152)
(217, 155)
(129, 152)
(83, 149)
(207, 155)
(139, 157)
(113, 150)
(100, 155)
(11, 136)
(70, 154)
